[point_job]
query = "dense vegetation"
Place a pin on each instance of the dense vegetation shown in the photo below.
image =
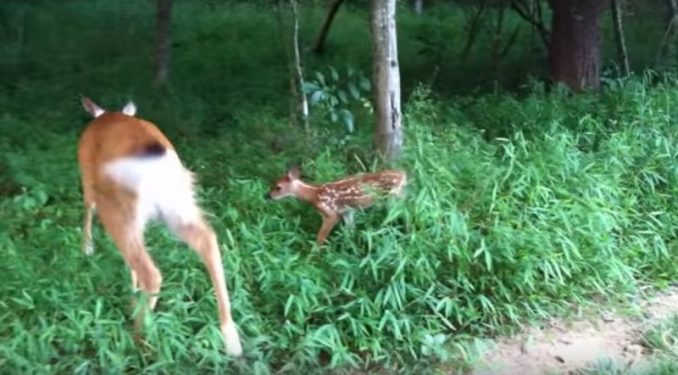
(521, 204)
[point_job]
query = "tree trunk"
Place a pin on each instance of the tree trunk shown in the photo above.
(667, 47)
(619, 37)
(163, 42)
(302, 102)
(418, 6)
(329, 18)
(474, 25)
(386, 76)
(574, 49)
(672, 11)
(532, 13)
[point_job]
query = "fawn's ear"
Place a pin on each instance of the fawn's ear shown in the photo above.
(294, 172)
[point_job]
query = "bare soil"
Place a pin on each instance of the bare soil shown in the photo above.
(566, 347)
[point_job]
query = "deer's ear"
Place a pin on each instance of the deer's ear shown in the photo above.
(294, 172)
(91, 107)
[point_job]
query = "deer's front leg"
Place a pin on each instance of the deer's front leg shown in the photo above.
(329, 221)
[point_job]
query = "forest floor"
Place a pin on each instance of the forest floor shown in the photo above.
(573, 346)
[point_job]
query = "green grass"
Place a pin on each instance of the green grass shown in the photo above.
(519, 206)
(493, 232)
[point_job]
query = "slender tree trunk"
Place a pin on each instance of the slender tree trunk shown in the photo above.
(290, 40)
(418, 6)
(574, 48)
(672, 13)
(532, 13)
(163, 42)
(667, 46)
(302, 101)
(619, 36)
(473, 27)
(496, 40)
(386, 76)
(319, 44)
(284, 40)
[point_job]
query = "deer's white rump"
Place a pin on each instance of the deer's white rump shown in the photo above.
(164, 188)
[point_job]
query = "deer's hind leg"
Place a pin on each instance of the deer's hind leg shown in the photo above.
(200, 236)
(87, 243)
(127, 233)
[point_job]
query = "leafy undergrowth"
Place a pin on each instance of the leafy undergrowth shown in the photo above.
(494, 231)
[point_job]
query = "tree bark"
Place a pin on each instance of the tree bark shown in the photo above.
(386, 76)
(667, 47)
(574, 48)
(418, 6)
(163, 42)
(619, 37)
(319, 44)
(302, 101)
(672, 11)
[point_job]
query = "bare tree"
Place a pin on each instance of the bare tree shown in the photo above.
(619, 36)
(386, 76)
(163, 41)
(325, 28)
(575, 45)
(531, 11)
(302, 101)
(290, 39)
(667, 47)
(473, 26)
(499, 48)
(418, 6)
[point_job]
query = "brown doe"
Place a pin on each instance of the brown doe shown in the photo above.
(131, 174)
(336, 200)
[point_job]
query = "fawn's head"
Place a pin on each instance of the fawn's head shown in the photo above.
(285, 186)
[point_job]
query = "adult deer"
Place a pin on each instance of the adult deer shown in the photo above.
(131, 174)
(336, 200)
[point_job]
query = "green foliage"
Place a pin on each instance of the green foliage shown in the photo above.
(492, 232)
(337, 95)
(518, 206)
(664, 338)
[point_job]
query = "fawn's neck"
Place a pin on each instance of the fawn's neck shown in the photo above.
(306, 192)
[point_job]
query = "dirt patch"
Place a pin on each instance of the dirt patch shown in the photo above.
(560, 347)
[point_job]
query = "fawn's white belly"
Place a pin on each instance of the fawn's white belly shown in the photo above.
(164, 188)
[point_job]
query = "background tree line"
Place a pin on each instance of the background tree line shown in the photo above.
(570, 31)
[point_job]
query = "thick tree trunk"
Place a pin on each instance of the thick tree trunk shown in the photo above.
(386, 77)
(163, 42)
(319, 44)
(574, 49)
(619, 37)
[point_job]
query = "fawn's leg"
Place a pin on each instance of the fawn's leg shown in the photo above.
(128, 237)
(87, 244)
(329, 221)
(348, 219)
(135, 280)
(198, 234)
